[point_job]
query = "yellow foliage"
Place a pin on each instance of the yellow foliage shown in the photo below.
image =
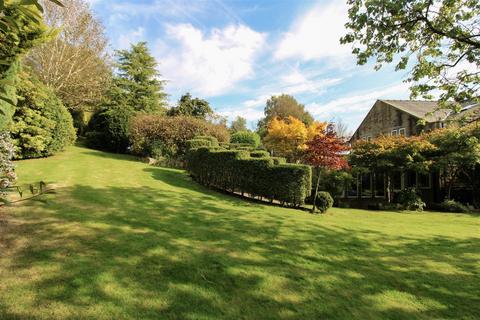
(287, 138)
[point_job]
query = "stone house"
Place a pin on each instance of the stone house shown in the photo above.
(405, 117)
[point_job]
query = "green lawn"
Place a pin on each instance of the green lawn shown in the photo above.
(123, 240)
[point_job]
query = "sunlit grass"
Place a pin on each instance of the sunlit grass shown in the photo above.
(123, 240)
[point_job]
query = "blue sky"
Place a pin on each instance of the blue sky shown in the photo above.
(238, 53)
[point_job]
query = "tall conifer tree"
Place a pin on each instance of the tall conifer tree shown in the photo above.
(137, 82)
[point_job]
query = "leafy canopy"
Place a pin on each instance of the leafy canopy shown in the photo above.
(74, 64)
(287, 137)
(239, 124)
(188, 106)
(326, 150)
(283, 107)
(392, 153)
(440, 39)
(246, 137)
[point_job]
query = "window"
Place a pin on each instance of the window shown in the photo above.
(352, 188)
(396, 180)
(410, 179)
(366, 181)
(401, 132)
(424, 180)
(441, 124)
(394, 132)
(379, 185)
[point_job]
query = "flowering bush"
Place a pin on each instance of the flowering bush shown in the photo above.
(7, 172)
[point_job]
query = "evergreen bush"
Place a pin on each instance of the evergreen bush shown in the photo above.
(451, 206)
(41, 124)
(324, 201)
(259, 154)
(108, 129)
(410, 200)
(246, 137)
(237, 171)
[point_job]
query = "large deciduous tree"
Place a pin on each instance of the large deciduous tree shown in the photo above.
(287, 137)
(188, 106)
(239, 124)
(387, 154)
(325, 151)
(457, 154)
(74, 64)
(282, 107)
(440, 39)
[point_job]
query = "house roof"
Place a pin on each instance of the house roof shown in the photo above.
(469, 113)
(428, 110)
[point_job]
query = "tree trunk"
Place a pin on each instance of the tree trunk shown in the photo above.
(316, 191)
(389, 189)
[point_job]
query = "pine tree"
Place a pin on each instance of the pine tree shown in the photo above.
(137, 83)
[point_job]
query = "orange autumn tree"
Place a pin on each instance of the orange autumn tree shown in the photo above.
(287, 137)
(386, 154)
(325, 151)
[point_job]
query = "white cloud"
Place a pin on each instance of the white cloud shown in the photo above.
(208, 64)
(293, 83)
(258, 101)
(317, 34)
(250, 114)
(359, 103)
(131, 37)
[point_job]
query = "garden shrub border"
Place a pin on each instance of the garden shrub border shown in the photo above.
(237, 171)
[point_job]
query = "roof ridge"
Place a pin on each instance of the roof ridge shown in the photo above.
(408, 100)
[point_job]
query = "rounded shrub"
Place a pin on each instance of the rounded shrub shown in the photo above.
(109, 129)
(410, 200)
(452, 206)
(324, 201)
(41, 124)
(246, 137)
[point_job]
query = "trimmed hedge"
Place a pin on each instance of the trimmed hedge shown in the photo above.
(246, 137)
(198, 143)
(259, 154)
(237, 171)
(213, 141)
(279, 160)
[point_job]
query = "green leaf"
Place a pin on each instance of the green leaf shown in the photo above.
(58, 3)
(13, 102)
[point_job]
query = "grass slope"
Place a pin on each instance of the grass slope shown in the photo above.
(122, 240)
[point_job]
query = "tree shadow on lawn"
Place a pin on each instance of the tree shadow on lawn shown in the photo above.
(151, 254)
(180, 179)
(110, 155)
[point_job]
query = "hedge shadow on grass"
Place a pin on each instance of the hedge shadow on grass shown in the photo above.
(147, 253)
